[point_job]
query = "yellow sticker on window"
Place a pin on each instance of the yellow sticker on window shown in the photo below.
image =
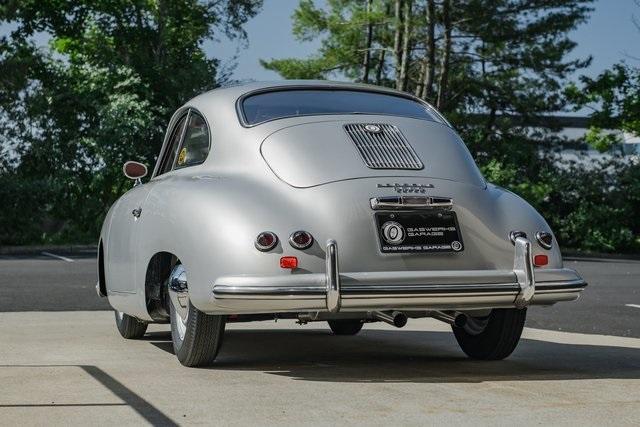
(182, 157)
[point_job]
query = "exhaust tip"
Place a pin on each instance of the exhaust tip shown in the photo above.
(399, 319)
(460, 320)
(395, 318)
(453, 318)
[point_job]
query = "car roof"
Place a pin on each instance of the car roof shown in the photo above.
(227, 98)
(237, 90)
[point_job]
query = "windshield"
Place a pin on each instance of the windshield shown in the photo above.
(273, 105)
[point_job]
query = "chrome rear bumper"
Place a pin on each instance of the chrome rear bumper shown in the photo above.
(336, 291)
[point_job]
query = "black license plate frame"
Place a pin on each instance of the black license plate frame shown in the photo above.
(434, 231)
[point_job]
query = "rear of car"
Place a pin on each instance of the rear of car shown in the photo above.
(398, 209)
(334, 202)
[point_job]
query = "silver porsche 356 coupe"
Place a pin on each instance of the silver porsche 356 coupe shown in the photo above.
(322, 201)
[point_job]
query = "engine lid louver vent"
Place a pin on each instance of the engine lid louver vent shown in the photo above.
(382, 146)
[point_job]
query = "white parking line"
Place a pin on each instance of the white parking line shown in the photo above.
(633, 305)
(63, 258)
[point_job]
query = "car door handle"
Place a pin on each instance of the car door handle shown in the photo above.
(136, 212)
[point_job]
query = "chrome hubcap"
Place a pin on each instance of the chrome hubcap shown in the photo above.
(179, 296)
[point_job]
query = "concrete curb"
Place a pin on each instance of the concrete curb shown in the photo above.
(57, 249)
(598, 255)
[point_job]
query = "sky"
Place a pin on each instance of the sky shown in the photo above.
(609, 36)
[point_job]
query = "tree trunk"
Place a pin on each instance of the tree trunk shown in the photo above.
(488, 127)
(160, 22)
(406, 46)
(382, 53)
(380, 66)
(367, 48)
(444, 69)
(430, 54)
(398, 39)
(417, 91)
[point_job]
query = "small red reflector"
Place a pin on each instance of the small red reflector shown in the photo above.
(540, 260)
(289, 262)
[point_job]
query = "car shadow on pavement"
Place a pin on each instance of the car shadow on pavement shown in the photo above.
(161, 340)
(409, 356)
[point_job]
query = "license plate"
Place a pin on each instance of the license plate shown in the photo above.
(402, 232)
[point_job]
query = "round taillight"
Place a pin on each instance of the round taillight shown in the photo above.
(544, 239)
(300, 239)
(266, 241)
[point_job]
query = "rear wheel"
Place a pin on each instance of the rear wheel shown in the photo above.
(197, 337)
(345, 327)
(130, 327)
(493, 337)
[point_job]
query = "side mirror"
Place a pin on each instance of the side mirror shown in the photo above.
(134, 170)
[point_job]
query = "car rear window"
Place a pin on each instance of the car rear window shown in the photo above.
(266, 106)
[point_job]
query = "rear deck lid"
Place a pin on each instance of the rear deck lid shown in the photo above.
(320, 152)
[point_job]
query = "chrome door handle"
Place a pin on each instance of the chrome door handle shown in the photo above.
(136, 212)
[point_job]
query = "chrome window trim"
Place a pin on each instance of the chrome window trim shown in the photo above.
(181, 140)
(175, 119)
(179, 114)
(184, 132)
(244, 123)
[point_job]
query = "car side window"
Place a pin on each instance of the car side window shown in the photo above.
(172, 146)
(195, 144)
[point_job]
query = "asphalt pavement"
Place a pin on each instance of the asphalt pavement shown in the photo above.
(68, 368)
(63, 362)
(610, 305)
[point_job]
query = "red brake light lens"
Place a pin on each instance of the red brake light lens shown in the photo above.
(266, 241)
(540, 260)
(289, 262)
(300, 239)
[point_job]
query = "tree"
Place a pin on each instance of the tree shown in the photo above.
(607, 212)
(100, 93)
(479, 61)
(614, 97)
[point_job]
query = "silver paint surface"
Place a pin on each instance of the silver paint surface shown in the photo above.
(302, 173)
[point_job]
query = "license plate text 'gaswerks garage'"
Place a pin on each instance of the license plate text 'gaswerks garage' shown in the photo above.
(419, 232)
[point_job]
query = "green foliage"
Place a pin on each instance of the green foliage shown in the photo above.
(600, 139)
(536, 190)
(615, 97)
(343, 45)
(28, 202)
(596, 208)
(312, 68)
(606, 198)
(591, 208)
(100, 94)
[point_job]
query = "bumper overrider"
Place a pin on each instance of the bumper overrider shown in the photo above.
(336, 291)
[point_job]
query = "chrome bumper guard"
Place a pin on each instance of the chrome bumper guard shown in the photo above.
(334, 291)
(523, 269)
